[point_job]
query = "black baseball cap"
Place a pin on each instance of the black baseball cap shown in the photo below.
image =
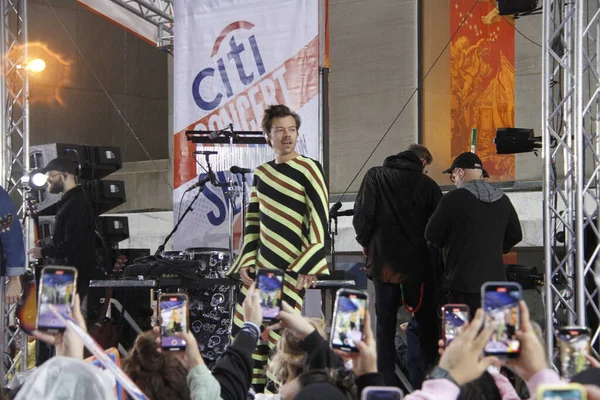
(467, 160)
(61, 165)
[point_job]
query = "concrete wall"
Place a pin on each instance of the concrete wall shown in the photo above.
(528, 91)
(373, 72)
(147, 186)
(67, 103)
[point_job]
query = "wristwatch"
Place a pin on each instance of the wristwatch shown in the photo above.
(441, 373)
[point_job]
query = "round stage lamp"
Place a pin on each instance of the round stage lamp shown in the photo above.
(36, 65)
(37, 180)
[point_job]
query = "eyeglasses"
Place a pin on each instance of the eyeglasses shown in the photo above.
(54, 175)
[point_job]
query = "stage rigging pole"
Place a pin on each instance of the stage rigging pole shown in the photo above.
(14, 150)
(570, 122)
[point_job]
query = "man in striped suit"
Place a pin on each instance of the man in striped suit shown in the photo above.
(285, 224)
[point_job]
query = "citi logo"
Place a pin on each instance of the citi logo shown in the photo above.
(238, 64)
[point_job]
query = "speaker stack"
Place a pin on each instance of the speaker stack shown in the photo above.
(95, 163)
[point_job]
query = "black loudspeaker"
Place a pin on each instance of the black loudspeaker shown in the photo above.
(95, 162)
(101, 161)
(105, 195)
(511, 7)
(42, 154)
(114, 229)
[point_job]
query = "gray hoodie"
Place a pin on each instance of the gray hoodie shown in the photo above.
(483, 191)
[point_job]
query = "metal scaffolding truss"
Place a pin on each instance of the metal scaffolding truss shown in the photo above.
(14, 146)
(158, 13)
(571, 155)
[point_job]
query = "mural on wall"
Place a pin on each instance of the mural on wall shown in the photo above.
(481, 77)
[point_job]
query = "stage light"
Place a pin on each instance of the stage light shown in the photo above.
(516, 140)
(36, 65)
(37, 181)
(516, 7)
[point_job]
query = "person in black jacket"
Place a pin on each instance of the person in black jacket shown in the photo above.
(321, 361)
(473, 226)
(391, 211)
(74, 237)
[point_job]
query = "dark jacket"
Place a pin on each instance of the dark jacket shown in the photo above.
(234, 369)
(12, 245)
(391, 211)
(319, 354)
(74, 237)
(474, 226)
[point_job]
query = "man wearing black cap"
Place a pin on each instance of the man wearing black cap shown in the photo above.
(473, 226)
(73, 239)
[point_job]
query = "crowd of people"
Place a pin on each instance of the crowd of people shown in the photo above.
(304, 363)
(422, 249)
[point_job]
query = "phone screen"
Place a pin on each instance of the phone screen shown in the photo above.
(455, 316)
(349, 320)
(573, 345)
(501, 305)
(57, 288)
(173, 314)
(562, 394)
(270, 284)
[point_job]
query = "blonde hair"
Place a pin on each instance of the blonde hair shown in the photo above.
(288, 361)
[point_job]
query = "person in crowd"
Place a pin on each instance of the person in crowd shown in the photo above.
(473, 226)
(311, 342)
(392, 208)
(330, 384)
(12, 247)
(160, 375)
(289, 359)
(66, 376)
(285, 223)
(590, 379)
(462, 362)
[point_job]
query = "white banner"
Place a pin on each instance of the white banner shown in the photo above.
(232, 59)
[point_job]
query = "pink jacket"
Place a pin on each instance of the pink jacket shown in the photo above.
(443, 389)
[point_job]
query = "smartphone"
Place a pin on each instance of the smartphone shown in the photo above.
(573, 346)
(173, 318)
(454, 316)
(565, 391)
(500, 302)
(348, 319)
(381, 393)
(57, 287)
(270, 286)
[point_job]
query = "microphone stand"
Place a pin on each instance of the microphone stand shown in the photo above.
(333, 218)
(244, 204)
(189, 208)
(333, 214)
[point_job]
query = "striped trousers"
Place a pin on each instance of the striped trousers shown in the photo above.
(261, 378)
